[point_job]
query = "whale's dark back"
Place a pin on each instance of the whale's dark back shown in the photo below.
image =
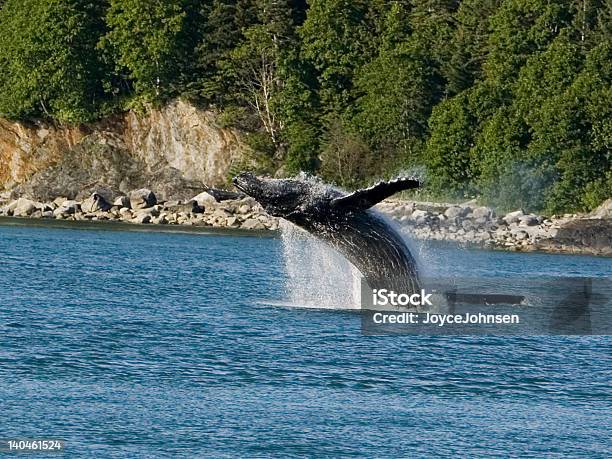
(376, 249)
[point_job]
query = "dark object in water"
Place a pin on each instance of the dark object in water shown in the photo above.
(483, 298)
(223, 195)
(345, 222)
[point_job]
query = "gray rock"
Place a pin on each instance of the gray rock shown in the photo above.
(95, 203)
(125, 213)
(141, 199)
(161, 220)
(528, 220)
(604, 211)
(222, 213)
(150, 211)
(204, 199)
(67, 208)
(482, 212)
(454, 212)
(122, 201)
(252, 224)
(420, 216)
(142, 218)
(59, 201)
(23, 207)
(467, 225)
(191, 207)
(513, 217)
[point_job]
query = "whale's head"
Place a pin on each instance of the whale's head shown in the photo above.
(287, 198)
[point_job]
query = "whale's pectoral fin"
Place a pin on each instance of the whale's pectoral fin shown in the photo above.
(367, 197)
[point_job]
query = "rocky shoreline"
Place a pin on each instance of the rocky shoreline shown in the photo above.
(470, 224)
(467, 224)
(142, 207)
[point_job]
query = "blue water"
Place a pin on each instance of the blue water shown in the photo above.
(146, 344)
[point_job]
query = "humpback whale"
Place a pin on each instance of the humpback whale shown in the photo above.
(346, 222)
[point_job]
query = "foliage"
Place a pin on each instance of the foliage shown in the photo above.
(149, 42)
(506, 100)
(50, 65)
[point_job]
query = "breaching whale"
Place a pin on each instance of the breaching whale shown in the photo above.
(344, 221)
(347, 223)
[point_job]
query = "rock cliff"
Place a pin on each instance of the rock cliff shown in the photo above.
(174, 150)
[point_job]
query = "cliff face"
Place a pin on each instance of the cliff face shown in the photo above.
(174, 151)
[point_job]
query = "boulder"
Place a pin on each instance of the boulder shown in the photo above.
(142, 218)
(95, 203)
(150, 211)
(125, 213)
(604, 211)
(203, 199)
(467, 225)
(59, 201)
(67, 208)
(161, 220)
(221, 213)
(482, 212)
(22, 207)
(454, 212)
(252, 224)
(529, 220)
(513, 217)
(141, 199)
(190, 207)
(520, 235)
(122, 201)
(457, 211)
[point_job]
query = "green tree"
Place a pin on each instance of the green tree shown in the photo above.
(398, 88)
(518, 29)
(256, 60)
(299, 108)
(151, 41)
(469, 43)
(585, 114)
(224, 22)
(337, 38)
(448, 147)
(50, 64)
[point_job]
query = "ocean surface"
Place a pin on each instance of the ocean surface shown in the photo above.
(153, 344)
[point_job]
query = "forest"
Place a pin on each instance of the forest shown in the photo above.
(508, 101)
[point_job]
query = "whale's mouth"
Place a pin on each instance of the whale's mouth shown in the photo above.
(242, 182)
(238, 185)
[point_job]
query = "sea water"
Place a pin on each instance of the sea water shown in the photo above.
(152, 344)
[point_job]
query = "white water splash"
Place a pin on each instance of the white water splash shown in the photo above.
(317, 275)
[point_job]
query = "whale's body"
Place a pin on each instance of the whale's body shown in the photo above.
(346, 222)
